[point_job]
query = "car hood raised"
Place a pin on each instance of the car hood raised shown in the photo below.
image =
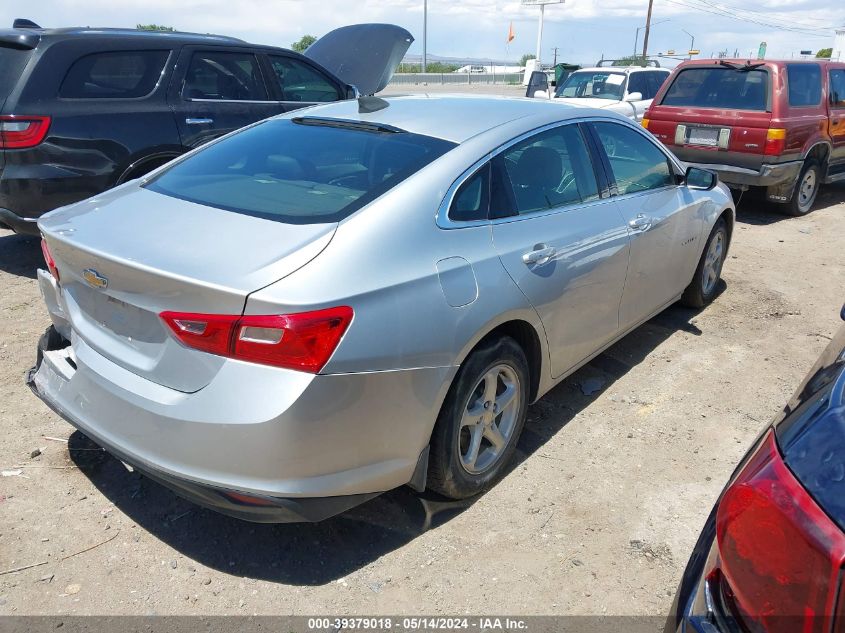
(362, 55)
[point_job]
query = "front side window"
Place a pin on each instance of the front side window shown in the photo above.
(224, 76)
(726, 87)
(837, 88)
(550, 169)
(300, 171)
(655, 82)
(805, 84)
(593, 84)
(115, 75)
(299, 82)
(637, 163)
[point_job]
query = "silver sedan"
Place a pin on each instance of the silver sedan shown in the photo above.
(353, 297)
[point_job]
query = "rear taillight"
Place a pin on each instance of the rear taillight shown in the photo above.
(303, 341)
(21, 131)
(48, 259)
(775, 142)
(779, 553)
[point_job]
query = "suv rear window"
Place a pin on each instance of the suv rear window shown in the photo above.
(805, 84)
(720, 87)
(12, 62)
(300, 171)
(116, 75)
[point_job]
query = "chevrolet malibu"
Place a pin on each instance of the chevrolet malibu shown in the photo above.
(338, 301)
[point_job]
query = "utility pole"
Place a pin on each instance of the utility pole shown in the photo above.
(647, 29)
(555, 49)
(540, 33)
(425, 34)
(692, 42)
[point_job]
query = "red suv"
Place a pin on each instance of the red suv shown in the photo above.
(773, 124)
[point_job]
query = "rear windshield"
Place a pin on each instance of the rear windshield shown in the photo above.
(593, 84)
(720, 87)
(12, 62)
(299, 173)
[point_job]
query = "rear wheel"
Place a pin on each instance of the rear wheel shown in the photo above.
(705, 284)
(481, 421)
(806, 190)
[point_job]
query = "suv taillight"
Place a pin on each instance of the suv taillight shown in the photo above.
(775, 142)
(303, 341)
(779, 553)
(22, 131)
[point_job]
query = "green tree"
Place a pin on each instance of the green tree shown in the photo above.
(304, 42)
(825, 53)
(631, 60)
(524, 59)
(154, 27)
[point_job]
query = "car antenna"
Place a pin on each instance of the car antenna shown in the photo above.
(23, 23)
(366, 105)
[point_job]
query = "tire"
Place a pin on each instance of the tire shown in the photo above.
(806, 190)
(704, 287)
(452, 470)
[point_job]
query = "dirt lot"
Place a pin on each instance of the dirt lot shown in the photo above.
(599, 515)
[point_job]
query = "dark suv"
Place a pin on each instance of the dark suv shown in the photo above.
(83, 110)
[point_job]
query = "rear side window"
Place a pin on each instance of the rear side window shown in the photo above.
(224, 76)
(117, 75)
(472, 199)
(550, 169)
(12, 62)
(637, 164)
(805, 84)
(305, 172)
(719, 87)
(299, 82)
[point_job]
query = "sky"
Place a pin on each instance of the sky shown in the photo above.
(582, 30)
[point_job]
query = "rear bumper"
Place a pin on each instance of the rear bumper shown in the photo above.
(769, 175)
(11, 220)
(298, 441)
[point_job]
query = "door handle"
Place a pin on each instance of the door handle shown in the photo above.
(641, 222)
(191, 121)
(541, 254)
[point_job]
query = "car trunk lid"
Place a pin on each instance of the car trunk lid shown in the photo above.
(362, 55)
(124, 259)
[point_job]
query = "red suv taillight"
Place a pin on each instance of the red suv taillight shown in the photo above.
(780, 554)
(303, 341)
(775, 142)
(22, 131)
(48, 259)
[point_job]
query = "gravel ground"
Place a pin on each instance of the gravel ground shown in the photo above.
(598, 516)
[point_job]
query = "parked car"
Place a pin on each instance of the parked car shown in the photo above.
(778, 125)
(627, 90)
(83, 110)
(771, 554)
(330, 304)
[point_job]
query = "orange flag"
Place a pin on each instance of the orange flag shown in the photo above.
(511, 34)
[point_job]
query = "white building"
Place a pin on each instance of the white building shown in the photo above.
(839, 46)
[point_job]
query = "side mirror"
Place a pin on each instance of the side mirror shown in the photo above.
(538, 83)
(634, 96)
(700, 179)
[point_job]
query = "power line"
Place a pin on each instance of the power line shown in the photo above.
(725, 14)
(736, 12)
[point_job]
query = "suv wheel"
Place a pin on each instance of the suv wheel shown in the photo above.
(481, 421)
(806, 190)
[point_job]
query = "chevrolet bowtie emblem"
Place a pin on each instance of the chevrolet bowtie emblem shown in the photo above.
(95, 279)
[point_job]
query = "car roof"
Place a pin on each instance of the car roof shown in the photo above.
(455, 118)
(177, 37)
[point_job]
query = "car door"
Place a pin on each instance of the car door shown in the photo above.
(221, 89)
(562, 240)
(837, 121)
(662, 219)
(298, 83)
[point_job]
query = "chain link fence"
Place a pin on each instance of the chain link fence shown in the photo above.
(409, 79)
